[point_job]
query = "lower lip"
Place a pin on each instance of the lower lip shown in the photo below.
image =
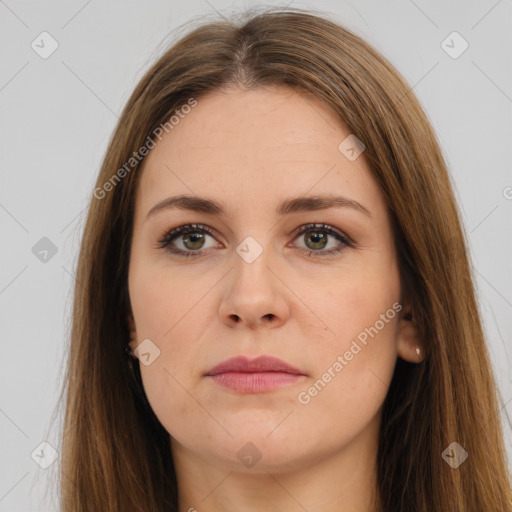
(257, 382)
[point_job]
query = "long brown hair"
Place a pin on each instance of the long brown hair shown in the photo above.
(115, 453)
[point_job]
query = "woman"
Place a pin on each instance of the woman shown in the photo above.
(274, 241)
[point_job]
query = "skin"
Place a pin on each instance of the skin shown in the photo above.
(249, 150)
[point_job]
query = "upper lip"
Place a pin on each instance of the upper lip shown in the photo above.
(260, 364)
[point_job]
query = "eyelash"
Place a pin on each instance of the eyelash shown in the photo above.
(165, 242)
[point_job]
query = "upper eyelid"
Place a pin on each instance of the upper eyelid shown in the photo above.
(319, 226)
(184, 228)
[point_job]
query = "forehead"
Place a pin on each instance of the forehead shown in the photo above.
(243, 122)
(248, 145)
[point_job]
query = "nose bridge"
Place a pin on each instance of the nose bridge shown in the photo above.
(254, 294)
(252, 268)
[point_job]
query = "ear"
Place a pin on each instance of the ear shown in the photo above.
(133, 334)
(410, 345)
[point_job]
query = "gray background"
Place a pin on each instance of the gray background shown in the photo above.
(58, 114)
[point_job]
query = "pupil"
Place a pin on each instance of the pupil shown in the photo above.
(193, 238)
(318, 238)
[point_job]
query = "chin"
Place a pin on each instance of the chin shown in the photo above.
(258, 451)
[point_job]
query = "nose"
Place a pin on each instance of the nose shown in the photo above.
(255, 295)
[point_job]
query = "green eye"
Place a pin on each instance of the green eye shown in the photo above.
(193, 239)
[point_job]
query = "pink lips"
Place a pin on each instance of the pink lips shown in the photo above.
(258, 375)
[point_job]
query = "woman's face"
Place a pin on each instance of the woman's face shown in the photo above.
(262, 282)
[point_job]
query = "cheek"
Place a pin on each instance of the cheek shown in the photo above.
(164, 299)
(356, 303)
(355, 365)
(168, 308)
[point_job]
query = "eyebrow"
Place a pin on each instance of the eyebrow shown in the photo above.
(286, 207)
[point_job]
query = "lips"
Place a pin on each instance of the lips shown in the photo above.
(261, 364)
(264, 374)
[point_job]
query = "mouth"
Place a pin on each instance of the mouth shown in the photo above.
(258, 375)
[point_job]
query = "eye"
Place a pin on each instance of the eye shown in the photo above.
(192, 239)
(190, 236)
(317, 238)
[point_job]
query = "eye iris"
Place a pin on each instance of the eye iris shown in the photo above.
(317, 238)
(193, 238)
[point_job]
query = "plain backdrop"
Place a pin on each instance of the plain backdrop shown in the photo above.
(58, 113)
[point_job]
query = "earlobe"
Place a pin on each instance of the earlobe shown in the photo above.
(410, 345)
